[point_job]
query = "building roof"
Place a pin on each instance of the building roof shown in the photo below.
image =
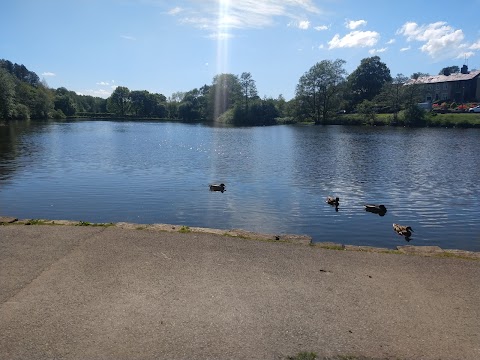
(433, 79)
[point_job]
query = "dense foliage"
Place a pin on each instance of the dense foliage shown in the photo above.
(325, 94)
(23, 96)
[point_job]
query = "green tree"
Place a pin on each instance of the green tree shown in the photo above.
(249, 88)
(368, 79)
(65, 102)
(43, 103)
(138, 102)
(7, 95)
(417, 75)
(224, 93)
(368, 111)
(392, 96)
(319, 90)
(449, 70)
(119, 101)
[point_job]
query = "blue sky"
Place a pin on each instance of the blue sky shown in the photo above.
(166, 46)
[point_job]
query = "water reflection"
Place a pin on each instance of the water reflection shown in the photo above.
(278, 178)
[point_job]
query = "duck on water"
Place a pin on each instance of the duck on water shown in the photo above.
(403, 230)
(217, 187)
(377, 209)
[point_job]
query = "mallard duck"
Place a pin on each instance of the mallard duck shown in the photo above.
(378, 209)
(332, 201)
(217, 187)
(403, 230)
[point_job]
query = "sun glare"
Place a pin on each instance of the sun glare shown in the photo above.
(222, 47)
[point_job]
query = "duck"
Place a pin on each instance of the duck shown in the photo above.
(403, 230)
(377, 209)
(332, 201)
(217, 187)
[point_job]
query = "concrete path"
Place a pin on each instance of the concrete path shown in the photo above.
(71, 292)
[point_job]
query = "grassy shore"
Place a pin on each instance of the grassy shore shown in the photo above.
(449, 120)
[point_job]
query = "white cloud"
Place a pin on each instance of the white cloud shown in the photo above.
(355, 39)
(475, 46)
(405, 48)
(103, 83)
(466, 55)
(175, 11)
(48, 73)
(128, 37)
(440, 40)
(390, 42)
(353, 24)
(321, 27)
(213, 16)
(377, 51)
(304, 25)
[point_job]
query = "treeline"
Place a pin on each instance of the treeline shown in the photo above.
(23, 96)
(324, 94)
(230, 99)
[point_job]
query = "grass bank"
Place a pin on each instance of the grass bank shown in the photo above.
(447, 120)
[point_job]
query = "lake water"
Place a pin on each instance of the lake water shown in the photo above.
(277, 178)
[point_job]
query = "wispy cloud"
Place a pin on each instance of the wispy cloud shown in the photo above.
(103, 83)
(390, 42)
(353, 24)
(303, 24)
(175, 11)
(475, 46)
(405, 48)
(128, 37)
(211, 16)
(321, 27)
(48, 73)
(377, 51)
(355, 39)
(465, 55)
(439, 39)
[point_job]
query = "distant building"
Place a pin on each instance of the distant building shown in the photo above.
(459, 87)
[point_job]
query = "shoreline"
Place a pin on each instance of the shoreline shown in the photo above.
(429, 251)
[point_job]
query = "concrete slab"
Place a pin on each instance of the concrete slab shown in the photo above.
(72, 292)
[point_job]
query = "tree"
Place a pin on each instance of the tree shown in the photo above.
(7, 95)
(368, 79)
(43, 103)
(225, 91)
(447, 71)
(138, 102)
(248, 87)
(392, 96)
(318, 92)
(65, 101)
(119, 101)
(417, 75)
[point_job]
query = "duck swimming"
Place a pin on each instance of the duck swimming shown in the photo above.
(377, 209)
(332, 201)
(217, 187)
(403, 230)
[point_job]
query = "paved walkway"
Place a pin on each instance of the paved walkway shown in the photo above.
(72, 292)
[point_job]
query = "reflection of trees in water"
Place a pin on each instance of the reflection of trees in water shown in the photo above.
(12, 146)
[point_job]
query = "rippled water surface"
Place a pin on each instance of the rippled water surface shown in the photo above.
(277, 178)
